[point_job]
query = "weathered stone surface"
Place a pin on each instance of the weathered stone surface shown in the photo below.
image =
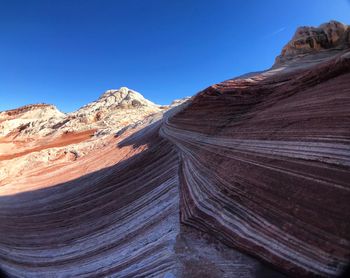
(29, 120)
(306, 40)
(115, 109)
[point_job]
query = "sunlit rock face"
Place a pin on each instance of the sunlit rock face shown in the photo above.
(307, 40)
(248, 178)
(40, 135)
(29, 120)
(113, 110)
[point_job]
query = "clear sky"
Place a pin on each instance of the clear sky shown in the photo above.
(68, 52)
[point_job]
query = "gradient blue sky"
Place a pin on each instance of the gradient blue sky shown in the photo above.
(69, 52)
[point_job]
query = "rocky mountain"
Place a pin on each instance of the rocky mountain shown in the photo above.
(114, 110)
(40, 135)
(248, 178)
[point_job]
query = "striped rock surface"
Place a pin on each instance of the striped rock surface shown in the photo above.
(119, 221)
(249, 178)
(265, 164)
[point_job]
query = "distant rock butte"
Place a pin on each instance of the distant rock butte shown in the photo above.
(35, 119)
(248, 178)
(112, 111)
(309, 40)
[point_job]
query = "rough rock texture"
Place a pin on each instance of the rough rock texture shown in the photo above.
(113, 110)
(307, 40)
(29, 120)
(254, 169)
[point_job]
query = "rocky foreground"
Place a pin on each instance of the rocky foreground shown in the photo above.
(249, 178)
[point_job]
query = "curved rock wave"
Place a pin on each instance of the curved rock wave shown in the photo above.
(120, 220)
(265, 165)
(256, 165)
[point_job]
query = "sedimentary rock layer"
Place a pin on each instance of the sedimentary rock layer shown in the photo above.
(121, 220)
(256, 165)
(265, 165)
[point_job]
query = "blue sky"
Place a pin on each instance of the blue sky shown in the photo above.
(69, 52)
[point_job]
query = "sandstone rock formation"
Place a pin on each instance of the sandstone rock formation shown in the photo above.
(40, 135)
(113, 110)
(29, 120)
(268, 171)
(309, 40)
(254, 169)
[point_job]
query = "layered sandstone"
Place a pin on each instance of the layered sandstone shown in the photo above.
(268, 170)
(254, 169)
